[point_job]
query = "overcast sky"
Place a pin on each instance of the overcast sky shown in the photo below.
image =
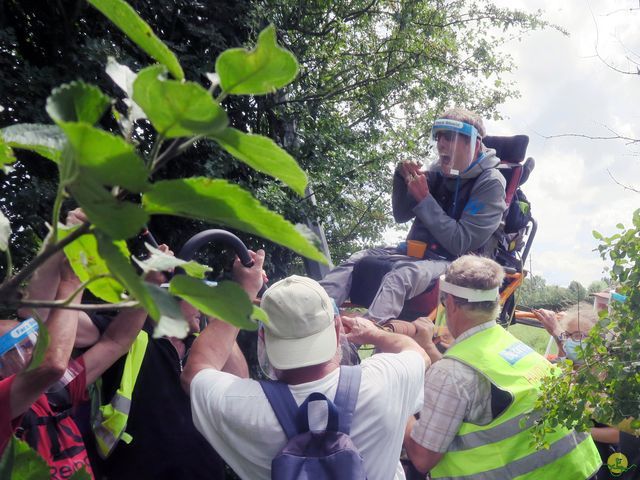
(564, 89)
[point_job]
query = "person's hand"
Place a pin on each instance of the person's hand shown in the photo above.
(549, 321)
(359, 330)
(251, 279)
(417, 187)
(76, 217)
(424, 332)
(409, 169)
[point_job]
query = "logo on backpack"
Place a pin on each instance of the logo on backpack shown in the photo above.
(329, 454)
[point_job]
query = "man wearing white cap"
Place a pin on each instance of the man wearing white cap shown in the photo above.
(301, 342)
(479, 398)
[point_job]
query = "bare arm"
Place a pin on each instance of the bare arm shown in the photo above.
(114, 343)
(422, 458)
(29, 385)
(214, 345)
(360, 330)
(606, 434)
(236, 363)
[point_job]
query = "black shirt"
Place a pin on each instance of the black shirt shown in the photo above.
(166, 444)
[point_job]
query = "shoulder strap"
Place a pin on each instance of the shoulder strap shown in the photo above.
(283, 405)
(347, 394)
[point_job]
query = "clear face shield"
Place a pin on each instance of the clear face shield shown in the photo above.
(455, 144)
(16, 347)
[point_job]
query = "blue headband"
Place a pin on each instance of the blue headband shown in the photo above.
(454, 126)
(17, 334)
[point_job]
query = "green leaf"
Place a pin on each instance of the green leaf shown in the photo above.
(45, 140)
(160, 261)
(77, 102)
(120, 220)
(177, 109)
(259, 71)
(20, 462)
(259, 315)
(109, 158)
(127, 20)
(86, 263)
(226, 301)
(6, 155)
(81, 474)
(41, 346)
(122, 269)
(262, 154)
(597, 235)
(172, 322)
(219, 202)
(5, 232)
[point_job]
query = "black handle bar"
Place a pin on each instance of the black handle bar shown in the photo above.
(215, 235)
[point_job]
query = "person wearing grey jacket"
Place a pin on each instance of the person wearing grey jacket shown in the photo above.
(456, 207)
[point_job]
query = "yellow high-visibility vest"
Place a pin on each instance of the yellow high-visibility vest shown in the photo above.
(503, 448)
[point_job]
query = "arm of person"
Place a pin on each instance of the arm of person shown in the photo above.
(480, 218)
(42, 286)
(361, 330)
(549, 321)
(606, 434)
(424, 338)
(236, 363)
(115, 342)
(422, 458)
(402, 204)
(28, 385)
(213, 347)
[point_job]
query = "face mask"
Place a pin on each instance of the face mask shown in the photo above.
(571, 348)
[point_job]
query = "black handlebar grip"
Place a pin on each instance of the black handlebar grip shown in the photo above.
(215, 235)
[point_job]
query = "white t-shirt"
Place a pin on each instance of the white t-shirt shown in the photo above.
(234, 415)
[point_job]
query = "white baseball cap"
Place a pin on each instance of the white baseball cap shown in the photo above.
(301, 329)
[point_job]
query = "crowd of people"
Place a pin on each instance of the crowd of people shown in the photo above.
(168, 408)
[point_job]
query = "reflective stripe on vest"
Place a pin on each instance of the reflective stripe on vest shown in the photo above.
(502, 449)
(111, 422)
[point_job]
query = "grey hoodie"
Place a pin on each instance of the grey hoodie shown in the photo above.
(480, 217)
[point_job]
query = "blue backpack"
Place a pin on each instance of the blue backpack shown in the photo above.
(329, 454)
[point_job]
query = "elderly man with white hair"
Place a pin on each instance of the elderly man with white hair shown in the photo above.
(475, 422)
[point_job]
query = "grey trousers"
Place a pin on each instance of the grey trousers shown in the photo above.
(407, 278)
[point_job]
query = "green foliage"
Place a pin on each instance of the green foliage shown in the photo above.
(535, 293)
(263, 155)
(226, 301)
(606, 385)
(45, 140)
(105, 173)
(87, 264)
(217, 201)
(20, 462)
(257, 72)
(177, 109)
(77, 102)
(127, 20)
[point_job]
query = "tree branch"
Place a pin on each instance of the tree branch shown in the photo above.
(72, 306)
(9, 287)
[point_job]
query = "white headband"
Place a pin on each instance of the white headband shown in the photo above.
(470, 294)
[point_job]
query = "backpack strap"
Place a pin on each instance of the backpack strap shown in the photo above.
(347, 395)
(283, 405)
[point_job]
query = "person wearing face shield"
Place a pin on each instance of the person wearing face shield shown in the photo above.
(456, 206)
(479, 396)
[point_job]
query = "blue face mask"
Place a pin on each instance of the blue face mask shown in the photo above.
(571, 347)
